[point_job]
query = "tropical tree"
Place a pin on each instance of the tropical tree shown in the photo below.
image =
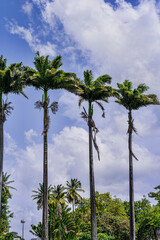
(38, 195)
(93, 91)
(73, 187)
(11, 81)
(47, 77)
(58, 198)
(6, 195)
(133, 99)
(155, 195)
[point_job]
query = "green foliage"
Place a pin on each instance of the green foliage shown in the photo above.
(155, 195)
(133, 99)
(6, 213)
(37, 230)
(111, 216)
(100, 236)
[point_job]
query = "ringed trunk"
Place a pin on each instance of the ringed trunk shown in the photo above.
(92, 183)
(45, 173)
(131, 183)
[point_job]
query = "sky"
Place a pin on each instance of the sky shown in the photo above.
(119, 38)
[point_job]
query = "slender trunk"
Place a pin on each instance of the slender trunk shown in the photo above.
(1, 150)
(92, 183)
(45, 173)
(73, 203)
(131, 183)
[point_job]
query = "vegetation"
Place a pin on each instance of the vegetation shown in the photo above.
(100, 216)
(112, 219)
(6, 213)
(133, 99)
(11, 81)
(93, 91)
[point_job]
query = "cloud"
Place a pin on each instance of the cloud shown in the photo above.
(32, 39)
(27, 8)
(29, 134)
(68, 158)
(122, 41)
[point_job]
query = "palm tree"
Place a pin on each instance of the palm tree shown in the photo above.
(93, 91)
(38, 195)
(65, 226)
(133, 99)
(11, 81)
(47, 77)
(73, 187)
(6, 184)
(58, 198)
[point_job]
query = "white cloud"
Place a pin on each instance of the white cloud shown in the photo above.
(68, 158)
(124, 42)
(27, 8)
(30, 37)
(29, 134)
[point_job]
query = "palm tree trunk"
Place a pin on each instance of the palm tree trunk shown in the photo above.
(45, 173)
(92, 183)
(73, 204)
(131, 183)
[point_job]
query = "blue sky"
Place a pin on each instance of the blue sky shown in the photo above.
(119, 38)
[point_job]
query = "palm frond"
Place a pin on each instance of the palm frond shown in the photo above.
(102, 80)
(56, 62)
(102, 108)
(54, 107)
(88, 77)
(39, 104)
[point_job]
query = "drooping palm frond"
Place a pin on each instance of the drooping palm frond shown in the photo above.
(95, 130)
(102, 108)
(39, 104)
(6, 109)
(54, 107)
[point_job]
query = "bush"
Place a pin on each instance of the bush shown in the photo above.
(103, 236)
(100, 236)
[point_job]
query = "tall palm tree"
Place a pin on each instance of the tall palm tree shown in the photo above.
(93, 91)
(11, 81)
(133, 99)
(73, 187)
(47, 77)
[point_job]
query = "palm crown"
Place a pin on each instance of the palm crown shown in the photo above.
(94, 90)
(73, 188)
(133, 99)
(47, 76)
(11, 78)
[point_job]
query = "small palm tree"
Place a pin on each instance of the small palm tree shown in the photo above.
(93, 91)
(6, 184)
(58, 198)
(73, 187)
(65, 226)
(11, 81)
(38, 195)
(133, 99)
